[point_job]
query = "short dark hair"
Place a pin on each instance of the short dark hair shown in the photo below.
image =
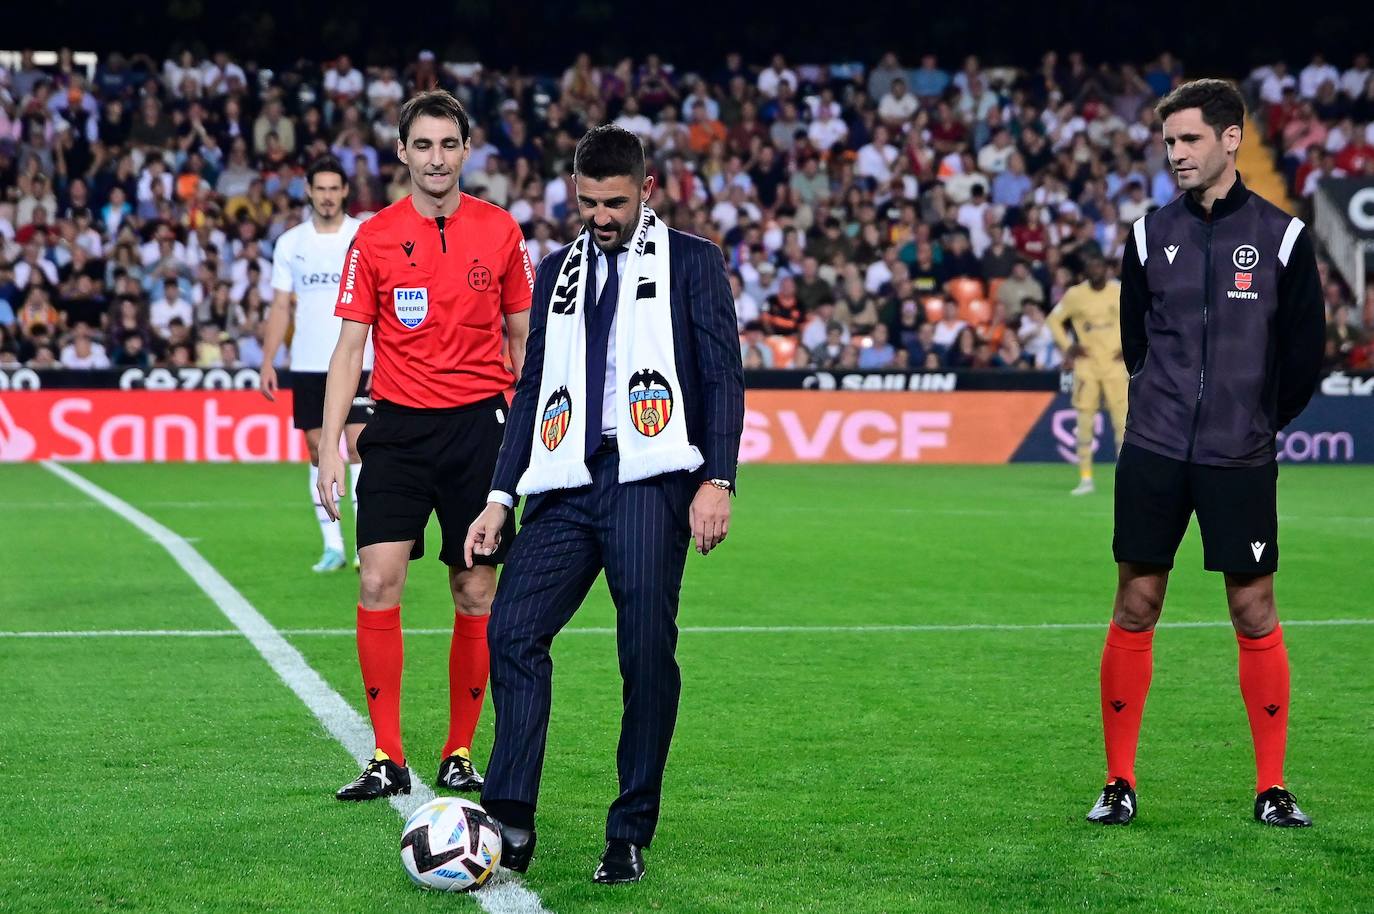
(609, 151)
(1219, 100)
(325, 165)
(434, 103)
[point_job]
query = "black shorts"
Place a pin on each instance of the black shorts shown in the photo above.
(1236, 511)
(420, 460)
(307, 400)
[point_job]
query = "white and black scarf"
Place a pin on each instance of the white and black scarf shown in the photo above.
(651, 427)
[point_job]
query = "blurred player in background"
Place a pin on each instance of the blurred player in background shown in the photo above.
(434, 276)
(1222, 326)
(1094, 309)
(307, 263)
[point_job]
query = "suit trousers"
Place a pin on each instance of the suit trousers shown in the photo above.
(638, 533)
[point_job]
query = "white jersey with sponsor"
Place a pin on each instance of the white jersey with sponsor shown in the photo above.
(309, 263)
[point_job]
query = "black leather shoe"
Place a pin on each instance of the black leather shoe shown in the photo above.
(622, 862)
(517, 847)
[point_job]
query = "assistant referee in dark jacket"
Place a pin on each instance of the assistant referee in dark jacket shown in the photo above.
(1222, 328)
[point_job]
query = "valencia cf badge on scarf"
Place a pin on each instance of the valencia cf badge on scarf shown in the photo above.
(557, 415)
(651, 402)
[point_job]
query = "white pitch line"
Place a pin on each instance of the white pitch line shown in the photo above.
(344, 723)
(693, 630)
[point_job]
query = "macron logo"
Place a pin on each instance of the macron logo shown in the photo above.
(1258, 549)
(1171, 251)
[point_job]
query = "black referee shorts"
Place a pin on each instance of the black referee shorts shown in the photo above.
(420, 460)
(307, 400)
(1236, 511)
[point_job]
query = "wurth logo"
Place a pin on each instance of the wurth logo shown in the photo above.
(351, 277)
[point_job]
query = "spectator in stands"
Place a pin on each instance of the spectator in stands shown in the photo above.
(343, 84)
(746, 306)
(1034, 336)
(1011, 355)
(1319, 166)
(809, 184)
(811, 288)
(1315, 75)
(929, 81)
(179, 355)
(782, 313)
(881, 77)
(1342, 338)
(237, 173)
(385, 90)
(960, 353)
(775, 74)
(947, 327)
(82, 352)
(876, 158)
(829, 353)
(38, 311)
(171, 306)
(880, 354)
(229, 353)
(43, 358)
(273, 121)
(857, 309)
(1275, 82)
(959, 258)
(827, 128)
(855, 190)
(754, 347)
(816, 324)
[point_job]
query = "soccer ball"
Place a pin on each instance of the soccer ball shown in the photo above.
(450, 844)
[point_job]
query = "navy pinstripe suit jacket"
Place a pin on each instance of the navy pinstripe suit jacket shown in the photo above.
(706, 339)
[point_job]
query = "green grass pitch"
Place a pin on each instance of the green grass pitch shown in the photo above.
(846, 770)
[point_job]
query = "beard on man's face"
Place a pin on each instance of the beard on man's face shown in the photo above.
(602, 232)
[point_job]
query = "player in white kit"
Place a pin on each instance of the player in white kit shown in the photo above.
(307, 262)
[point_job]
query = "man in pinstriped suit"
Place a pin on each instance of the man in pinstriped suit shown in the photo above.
(638, 532)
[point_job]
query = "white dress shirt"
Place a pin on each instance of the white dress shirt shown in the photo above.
(609, 383)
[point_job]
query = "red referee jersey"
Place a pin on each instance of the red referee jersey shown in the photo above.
(434, 292)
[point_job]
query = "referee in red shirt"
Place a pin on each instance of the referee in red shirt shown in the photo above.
(432, 276)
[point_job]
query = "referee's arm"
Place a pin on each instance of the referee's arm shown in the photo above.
(340, 386)
(1300, 329)
(1135, 304)
(517, 333)
(519, 437)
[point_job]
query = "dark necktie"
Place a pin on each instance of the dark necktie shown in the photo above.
(599, 319)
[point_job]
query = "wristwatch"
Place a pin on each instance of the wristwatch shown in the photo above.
(723, 484)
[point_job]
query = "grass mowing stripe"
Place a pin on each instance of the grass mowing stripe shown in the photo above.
(344, 723)
(690, 630)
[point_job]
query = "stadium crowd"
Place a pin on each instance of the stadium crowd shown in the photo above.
(877, 215)
(1321, 124)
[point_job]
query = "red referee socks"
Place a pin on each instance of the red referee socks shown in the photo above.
(1127, 662)
(1264, 686)
(468, 664)
(381, 653)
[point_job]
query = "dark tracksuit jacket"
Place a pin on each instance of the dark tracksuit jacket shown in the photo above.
(1222, 328)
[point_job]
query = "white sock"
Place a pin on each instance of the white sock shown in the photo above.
(329, 529)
